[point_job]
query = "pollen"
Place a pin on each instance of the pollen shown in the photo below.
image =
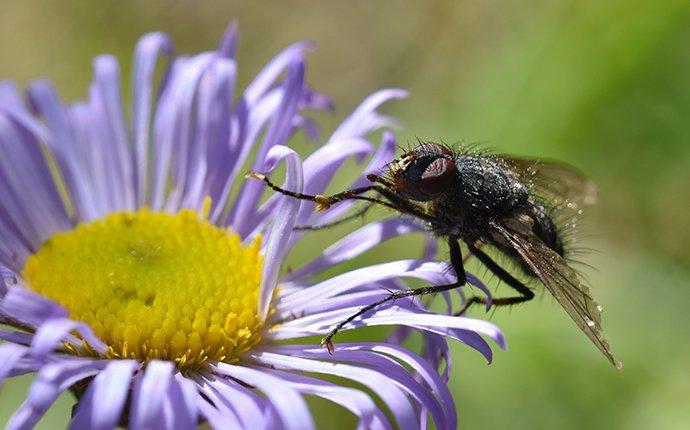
(155, 285)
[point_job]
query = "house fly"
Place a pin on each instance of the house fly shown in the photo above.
(481, 199)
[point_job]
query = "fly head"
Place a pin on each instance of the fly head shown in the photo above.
(424, 173)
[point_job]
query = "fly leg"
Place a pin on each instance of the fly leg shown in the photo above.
(525, 293)
(356, 214)
(456, 263)
(324, 202)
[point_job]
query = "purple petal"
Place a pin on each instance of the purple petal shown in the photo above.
(377, 382)
(436, 350)
(53, 332)
(14, 247)
(312, 99)
(184, 399)
(433, 272)
(308, 127)
(319, 168)
(216, 418)
(427, 373)
(355, 127)
(475, 341)
(377, 291)
(226, 411)
(432, 394)
(247, 123)
(16, 337)
(291, 407)
(107, 83)
(10, 97)
(52, 380)
(474, 281)
(38, 214)
(211, 158)
(382, 156)
(3, 286)
(87, 177)
(441, 324)
(102, 405)
(149, 48)
(322, 164)
(462, 329)
(24, 366)
(278, 238)
(172, 123)
(10, 354)
(29, 307)
(104, 149)
(236, 400)
(356, 401)
(277, 134)
(355, 244)
(44, 100)
(8, 276)
(63, 139)
(150, 393)
(362, 121)
(228, 44)
(23, 150)
(267, 76)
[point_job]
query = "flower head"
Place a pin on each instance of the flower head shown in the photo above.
(140, 272)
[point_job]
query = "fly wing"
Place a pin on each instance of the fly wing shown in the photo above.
(554, 181)
(561, 281)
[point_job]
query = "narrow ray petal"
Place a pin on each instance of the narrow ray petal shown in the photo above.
(277, 241)
(149, 394)
(104, 400)
(289, 404)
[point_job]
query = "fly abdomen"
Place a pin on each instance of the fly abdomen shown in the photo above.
(545, 229)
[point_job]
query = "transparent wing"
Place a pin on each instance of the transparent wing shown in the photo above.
(554, 181)
(561, 281)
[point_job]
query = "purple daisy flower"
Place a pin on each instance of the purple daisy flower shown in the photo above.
(142, 273)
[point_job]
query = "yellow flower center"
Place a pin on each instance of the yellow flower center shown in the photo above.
(155, 285)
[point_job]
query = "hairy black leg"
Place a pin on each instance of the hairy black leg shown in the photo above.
(358, 213)
(324, 202)
(401, 203)
(456, 263)
(525, 293)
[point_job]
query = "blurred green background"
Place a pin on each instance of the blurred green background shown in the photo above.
(603, 85)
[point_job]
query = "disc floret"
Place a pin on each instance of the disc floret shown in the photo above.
(155, 285)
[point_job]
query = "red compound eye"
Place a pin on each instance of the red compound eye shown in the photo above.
(437, 177)
(426, 172)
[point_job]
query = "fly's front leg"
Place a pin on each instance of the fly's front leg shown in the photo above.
(323, 202)
(356, 214)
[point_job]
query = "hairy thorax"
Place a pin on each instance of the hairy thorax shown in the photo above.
(485, 190)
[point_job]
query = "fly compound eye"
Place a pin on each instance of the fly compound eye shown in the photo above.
(437, 177)
(425, 178)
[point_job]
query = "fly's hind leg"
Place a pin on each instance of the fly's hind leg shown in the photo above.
(525, 293)
(456, 262)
